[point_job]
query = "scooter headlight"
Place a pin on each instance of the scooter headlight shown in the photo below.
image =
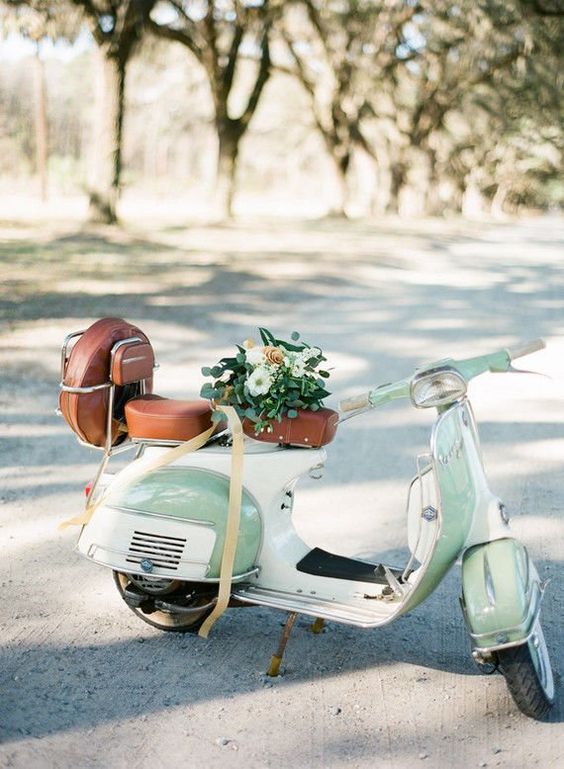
(437, 387)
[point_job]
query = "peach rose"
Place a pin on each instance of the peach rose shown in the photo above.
(273, 355)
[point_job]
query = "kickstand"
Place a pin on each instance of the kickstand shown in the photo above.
(318, 625)
(274, 669)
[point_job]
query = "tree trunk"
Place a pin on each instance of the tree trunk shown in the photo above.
(41, 130)
(342, 160)
(229, 137)
(433, 205)
(499, 199)
(398, 172)
(106, 169)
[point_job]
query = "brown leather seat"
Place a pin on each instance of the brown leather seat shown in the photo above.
(151, 417)
(309, 428)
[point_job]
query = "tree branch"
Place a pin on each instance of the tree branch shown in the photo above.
(262, 78)
(93, 14)
(229, 70)
(176, 35)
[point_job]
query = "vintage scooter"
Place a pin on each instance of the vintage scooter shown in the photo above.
(182, 534)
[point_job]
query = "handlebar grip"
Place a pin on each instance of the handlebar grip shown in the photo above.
(355, 402)
(526, 348)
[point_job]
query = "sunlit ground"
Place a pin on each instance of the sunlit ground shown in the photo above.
(380, 298)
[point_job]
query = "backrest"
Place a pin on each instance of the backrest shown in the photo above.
(101, 371)
(131, 362)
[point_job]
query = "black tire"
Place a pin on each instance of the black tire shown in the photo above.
(528, 675)
(169, 621)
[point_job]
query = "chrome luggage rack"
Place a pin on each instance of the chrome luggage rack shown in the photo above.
(108, 449)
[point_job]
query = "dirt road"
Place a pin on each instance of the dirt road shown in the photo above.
(83, 683)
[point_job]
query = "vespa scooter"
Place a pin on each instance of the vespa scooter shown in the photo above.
(161, 525)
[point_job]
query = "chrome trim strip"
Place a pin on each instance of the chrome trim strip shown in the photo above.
(64, 349)
(176, 519)
(125, 553)
(479, 651)
(90, 389)
(379, 613)
(155, 442)
(537, 600)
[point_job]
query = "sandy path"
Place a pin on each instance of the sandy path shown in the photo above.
(84, 683)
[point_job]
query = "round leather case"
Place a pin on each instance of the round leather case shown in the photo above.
(89, 364)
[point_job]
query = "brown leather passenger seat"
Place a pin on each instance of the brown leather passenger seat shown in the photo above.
(151, 417)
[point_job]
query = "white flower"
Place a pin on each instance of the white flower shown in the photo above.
(298, 368)
(259, 381)
(255, 355)
(311, 352)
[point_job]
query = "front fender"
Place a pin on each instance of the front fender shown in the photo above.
(501, 594)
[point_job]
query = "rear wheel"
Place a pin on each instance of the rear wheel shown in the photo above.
(528, 674)
(168, 605)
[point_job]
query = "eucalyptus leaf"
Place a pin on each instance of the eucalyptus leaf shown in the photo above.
(288, 346)
(267, 337)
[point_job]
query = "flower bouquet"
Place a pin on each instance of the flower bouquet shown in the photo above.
(265, 383)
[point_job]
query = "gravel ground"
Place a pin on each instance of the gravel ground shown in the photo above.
(84, 683)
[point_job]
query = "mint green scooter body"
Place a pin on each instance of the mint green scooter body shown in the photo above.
(501, 594)
(454, 472)
(501, 590)
(200, 498)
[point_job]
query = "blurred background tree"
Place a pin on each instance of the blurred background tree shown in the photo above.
(117, 27)
(39, 22)
(220, 36)
(345, 106)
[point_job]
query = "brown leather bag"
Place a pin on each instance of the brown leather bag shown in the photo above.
(89, 364)
(309, 428)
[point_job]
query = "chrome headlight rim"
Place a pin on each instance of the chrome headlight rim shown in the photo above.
(434, 374)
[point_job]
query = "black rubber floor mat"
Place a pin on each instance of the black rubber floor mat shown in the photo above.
(325, 564)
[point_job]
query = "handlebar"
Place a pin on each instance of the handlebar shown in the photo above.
(355, 403)
(526, 348)
(469, 368)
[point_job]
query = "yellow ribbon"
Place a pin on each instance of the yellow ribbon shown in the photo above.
(135, 471)
(233, 519)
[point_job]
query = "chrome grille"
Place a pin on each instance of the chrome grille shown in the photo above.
(163, 551)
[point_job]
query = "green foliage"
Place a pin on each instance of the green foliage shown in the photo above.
(265, 383)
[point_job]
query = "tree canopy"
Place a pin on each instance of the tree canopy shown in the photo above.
(438, 101)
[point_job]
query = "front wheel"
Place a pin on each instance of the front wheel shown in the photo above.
(528, 674)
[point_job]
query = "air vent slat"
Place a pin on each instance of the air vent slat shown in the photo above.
(160, 542)
(163, 551)
(154, 548)
(159, 536)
